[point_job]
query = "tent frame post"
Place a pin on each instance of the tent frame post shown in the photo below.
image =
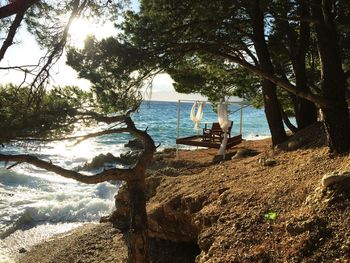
(241, 120)
(178, 127)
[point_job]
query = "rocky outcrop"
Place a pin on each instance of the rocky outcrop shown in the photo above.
(171, 219)
(129, 158)
(109, 160)
(121, 216)
(99, 161)
(174, 219)
(135, 144)
(305, 138)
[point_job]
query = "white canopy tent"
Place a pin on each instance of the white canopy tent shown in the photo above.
(197, 140)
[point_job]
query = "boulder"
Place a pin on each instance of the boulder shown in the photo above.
(334, 178)
(263, 161)
(128, 158)
(243, 153)
(103, 160)
(135, 144)
(99, 161)
(219, 158)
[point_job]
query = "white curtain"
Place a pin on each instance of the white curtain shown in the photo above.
(197, 117)
(224, 124)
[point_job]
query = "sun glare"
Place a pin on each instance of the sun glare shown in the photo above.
(83, 150)
(81, 28)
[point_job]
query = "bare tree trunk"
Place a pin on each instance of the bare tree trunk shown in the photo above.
(298, 43)
(333, 82)
(287, 122)
(138, 249)
(271, 103)
(306, 112)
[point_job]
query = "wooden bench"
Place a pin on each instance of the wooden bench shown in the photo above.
(215, 132)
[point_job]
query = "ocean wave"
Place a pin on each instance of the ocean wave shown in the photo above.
(29, 204)
(11, 245)
(107, 190)
(68, 211)
(10, 178)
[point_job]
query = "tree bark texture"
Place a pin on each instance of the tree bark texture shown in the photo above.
(287, 122)
(305, 110)
(16, 6)
(271, 103)
(138, 231)
(333, 82)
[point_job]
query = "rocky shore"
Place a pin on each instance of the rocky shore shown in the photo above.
(262, 205)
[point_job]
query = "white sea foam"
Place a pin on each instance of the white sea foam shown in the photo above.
(25, 239)
(254, 137)
(28, 200)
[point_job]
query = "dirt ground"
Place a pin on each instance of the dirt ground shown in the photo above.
(268, 206)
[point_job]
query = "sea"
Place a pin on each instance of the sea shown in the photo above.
(36, 204)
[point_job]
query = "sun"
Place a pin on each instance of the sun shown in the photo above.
(79, 30)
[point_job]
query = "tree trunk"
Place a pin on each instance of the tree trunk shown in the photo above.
(272, 112)
(305, 110)
(271, 103)
(287, 122)
(336, 121)
(223, 145)
(138, 250)
(333, 83)
(306, 113)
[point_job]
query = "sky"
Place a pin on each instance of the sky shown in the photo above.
(26, 51)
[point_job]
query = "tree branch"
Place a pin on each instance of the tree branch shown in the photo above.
(78, 137)
(286, 120)
(250, 54)
(92, 135)
(19, 68)
(278, 81)
(307, 19)
(57, 51)
(106, 119)
(13, 165)
(11, 34)
(111, 174)
(15, 7)
(148, 145)
(213, 49)
(106, 175)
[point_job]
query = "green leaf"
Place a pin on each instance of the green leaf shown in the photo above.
(270, 216)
